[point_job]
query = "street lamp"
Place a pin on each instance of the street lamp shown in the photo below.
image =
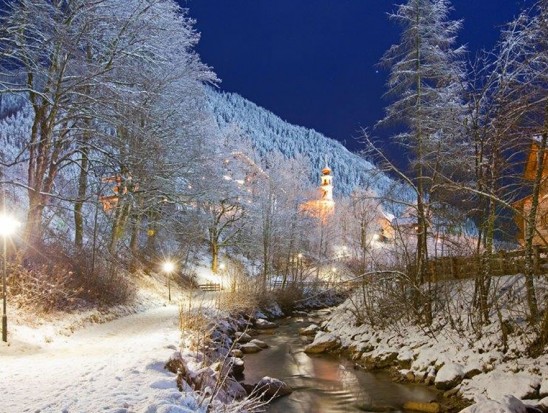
(300, 267)
(8, 225)
(168, 268)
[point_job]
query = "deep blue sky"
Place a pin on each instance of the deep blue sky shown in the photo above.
(313, 62)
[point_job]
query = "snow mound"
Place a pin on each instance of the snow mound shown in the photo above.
(507, 404)
(498, 384)
(449, 376)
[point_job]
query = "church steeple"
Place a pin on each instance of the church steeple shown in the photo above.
(326, 184)
(324, 206)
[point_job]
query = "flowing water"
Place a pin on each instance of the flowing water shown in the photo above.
(324, 383)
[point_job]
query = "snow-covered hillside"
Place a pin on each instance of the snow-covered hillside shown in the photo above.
(16, 118)
(268, 133)
(15, 123)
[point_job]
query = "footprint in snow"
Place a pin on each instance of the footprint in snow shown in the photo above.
(163, 384)
(157, 365)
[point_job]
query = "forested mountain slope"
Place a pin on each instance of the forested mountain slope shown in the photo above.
(267, 132)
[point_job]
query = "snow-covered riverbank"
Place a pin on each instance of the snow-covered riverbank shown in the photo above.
(476, 366)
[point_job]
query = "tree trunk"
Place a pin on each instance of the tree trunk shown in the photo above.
(151, 238)
(134, 241)
(34, 226)
(79, 204)
(118, 226)
(544, 329)
(214, 247)
(531, 229)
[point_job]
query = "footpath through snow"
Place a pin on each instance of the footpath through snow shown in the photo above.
(113, 367)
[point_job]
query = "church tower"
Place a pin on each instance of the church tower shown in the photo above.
(326, 186)
(326, 203)
(323, 206)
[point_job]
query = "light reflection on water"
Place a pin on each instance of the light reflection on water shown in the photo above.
(324, 383)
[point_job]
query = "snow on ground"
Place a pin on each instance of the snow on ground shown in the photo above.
(113, 367)
(117, 366)
(205, 276)
(27, 331)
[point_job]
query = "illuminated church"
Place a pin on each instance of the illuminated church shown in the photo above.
(323, 207)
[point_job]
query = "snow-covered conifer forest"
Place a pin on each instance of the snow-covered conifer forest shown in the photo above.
(153, 225)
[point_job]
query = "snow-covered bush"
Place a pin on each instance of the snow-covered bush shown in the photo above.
(205, 364)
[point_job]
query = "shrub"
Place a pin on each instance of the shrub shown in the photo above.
(46, 284)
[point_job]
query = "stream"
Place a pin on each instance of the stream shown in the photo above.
(324, 383)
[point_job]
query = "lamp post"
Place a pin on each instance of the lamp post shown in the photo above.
(8, 225)
(168, 268)
(299, 268)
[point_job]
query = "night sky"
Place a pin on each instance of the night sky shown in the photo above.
(314, 62)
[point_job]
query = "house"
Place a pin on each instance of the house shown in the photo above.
(524, 205)
(386, 228)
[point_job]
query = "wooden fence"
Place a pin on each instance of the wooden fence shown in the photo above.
(210, 287)
(501, 263)
(439, 269)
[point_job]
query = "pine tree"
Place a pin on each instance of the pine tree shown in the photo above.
(425, 80)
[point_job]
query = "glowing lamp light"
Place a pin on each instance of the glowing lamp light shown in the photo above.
(222, 266)
(334, 269)
(8, 225)
(299, 255)
(168, 266)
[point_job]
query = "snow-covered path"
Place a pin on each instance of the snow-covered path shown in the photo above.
(113, 367)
